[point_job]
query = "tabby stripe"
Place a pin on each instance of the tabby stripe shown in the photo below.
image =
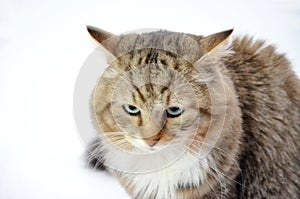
(176, 66)
(163, 90)
(140, 120)
(106, 108)
(149, 88)
(168, 98)
(148, 57)
(154, 57)
(140, 61)
(163, 62)
(170, 54)
(166, 95)
(141, 95)
(136, 88)
(134, 98)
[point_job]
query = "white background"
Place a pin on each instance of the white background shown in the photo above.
(42, 48)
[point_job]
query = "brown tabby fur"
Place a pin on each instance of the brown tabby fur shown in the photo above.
(261, 136)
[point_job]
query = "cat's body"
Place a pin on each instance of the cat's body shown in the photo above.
(244, 105)
(269, 96)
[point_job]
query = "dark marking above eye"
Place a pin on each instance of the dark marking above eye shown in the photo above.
(151, 57)
(164, 89)
(170, 54)
(139, 93)
(148, 58)
(140, 61)
(163, 61)
(176, 66)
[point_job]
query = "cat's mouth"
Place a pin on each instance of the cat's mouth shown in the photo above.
(152, 143)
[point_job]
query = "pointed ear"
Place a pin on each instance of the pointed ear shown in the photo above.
(106, 39)
(98, 34)
(212, 41)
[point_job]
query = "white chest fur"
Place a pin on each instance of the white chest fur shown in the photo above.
(163, 182)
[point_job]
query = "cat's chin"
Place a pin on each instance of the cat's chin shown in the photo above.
(157, 147)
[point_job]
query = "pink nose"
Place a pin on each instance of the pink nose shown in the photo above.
(152, 142)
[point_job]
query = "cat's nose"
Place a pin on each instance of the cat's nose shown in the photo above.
(151, 142)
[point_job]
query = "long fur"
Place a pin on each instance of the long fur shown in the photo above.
(242, 95)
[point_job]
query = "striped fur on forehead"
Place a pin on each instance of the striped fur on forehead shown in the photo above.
(200, 70)
(154, 83)
(182, 44)
(142, 57)
(178, 51)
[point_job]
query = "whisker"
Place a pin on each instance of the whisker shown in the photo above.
(210, 186)
(224, 152)
(217, 178)
(229, 178)
(221, 177)
(96, 156)
(233, 180)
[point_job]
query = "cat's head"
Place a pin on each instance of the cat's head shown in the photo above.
(162, 88)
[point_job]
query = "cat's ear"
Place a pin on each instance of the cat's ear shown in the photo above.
(98, 34)
(211, 42)
(104, 38)
(214, 50)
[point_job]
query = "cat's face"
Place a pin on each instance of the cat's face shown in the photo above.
(154, 109)
(152, 105)
(151, 97)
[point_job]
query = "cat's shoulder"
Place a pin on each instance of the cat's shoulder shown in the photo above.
(257, 55)
(249, 45)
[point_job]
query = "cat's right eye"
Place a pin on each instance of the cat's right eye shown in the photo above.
(174, 111)
(131, 110)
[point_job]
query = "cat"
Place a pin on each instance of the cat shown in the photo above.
(188, 116)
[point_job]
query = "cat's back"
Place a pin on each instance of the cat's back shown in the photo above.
(263, 77)
(269, 96)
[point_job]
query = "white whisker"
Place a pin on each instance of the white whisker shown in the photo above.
(224, 152)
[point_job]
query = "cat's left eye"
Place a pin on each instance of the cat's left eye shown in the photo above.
(132, 110)
(174, 111)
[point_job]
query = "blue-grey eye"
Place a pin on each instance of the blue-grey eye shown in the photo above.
(132, 110)
(174, 111)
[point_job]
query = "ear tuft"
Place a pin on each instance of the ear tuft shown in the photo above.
(98, 34)
(212, 41)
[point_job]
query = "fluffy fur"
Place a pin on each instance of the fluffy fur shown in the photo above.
(238, 136)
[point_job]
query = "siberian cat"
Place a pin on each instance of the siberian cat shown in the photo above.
(188, 116)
